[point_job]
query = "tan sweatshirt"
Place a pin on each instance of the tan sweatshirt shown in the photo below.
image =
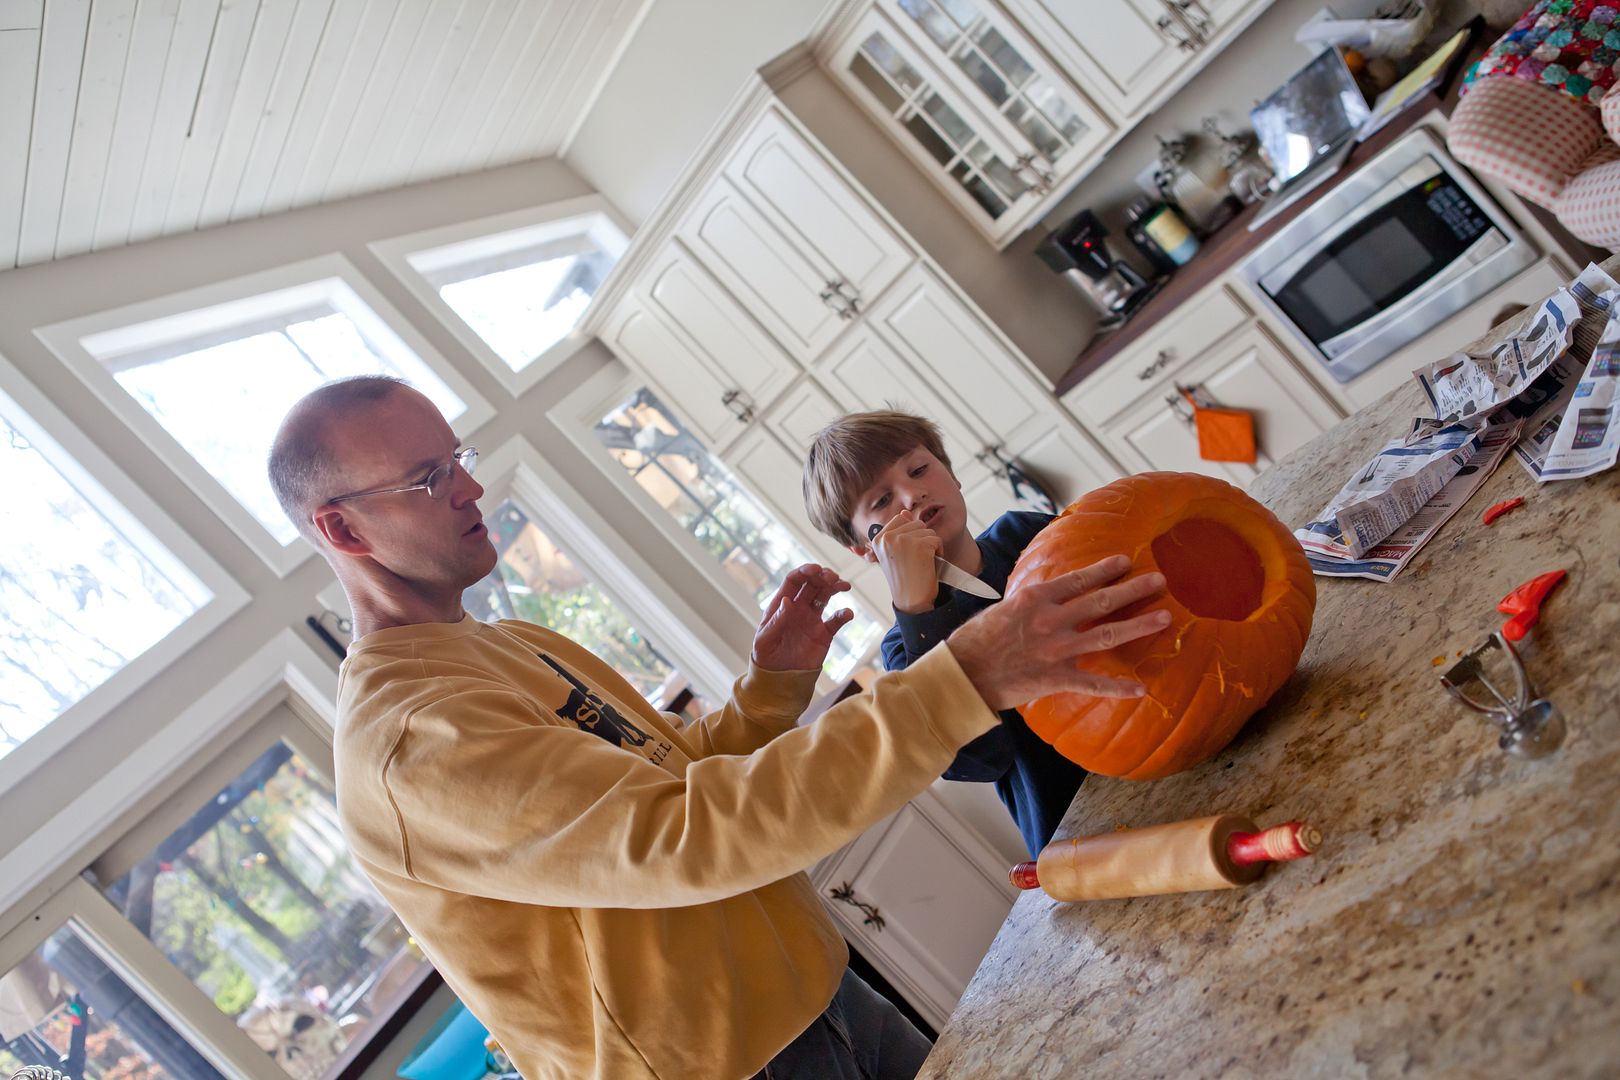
(614, 894)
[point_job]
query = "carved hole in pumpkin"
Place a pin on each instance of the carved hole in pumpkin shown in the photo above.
(1211, 570)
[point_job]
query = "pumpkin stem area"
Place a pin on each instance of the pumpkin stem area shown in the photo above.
(1210, 569)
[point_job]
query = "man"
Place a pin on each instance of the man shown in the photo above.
(614, 894)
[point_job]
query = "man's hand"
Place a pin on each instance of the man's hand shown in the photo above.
(906, 549)
(793, 635)
(1026, 646)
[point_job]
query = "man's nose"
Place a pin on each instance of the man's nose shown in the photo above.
(466, 489)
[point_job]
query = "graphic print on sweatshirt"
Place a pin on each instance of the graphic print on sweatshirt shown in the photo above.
(587, 709)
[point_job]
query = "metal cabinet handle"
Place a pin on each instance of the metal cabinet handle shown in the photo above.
(854, 297)
(833, 296)
(1160, 362)
(845, 894)
(1179, 406)
(1043, 177)
(1178, 26)
(739, 405)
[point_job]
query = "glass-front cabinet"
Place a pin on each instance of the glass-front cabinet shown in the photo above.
(969, 98)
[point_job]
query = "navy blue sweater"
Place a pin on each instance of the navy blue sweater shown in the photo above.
(1034, 781)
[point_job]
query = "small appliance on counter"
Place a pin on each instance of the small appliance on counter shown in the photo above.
(1308, 127)
(1165, 238)
(1079, 251)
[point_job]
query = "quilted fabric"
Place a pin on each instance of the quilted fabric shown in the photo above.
(1571, 46)
(1528, 137)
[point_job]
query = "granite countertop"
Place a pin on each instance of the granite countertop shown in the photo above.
(1463, 915)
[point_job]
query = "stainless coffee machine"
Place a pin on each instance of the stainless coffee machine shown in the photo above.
(1079, 251)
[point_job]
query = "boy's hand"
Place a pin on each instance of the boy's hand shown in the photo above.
(1026, 646)
(906, 549)
(792, 634)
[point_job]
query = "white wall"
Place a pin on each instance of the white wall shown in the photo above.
(684, 65)
(52, 292)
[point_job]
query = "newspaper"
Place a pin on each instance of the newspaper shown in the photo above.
(1329, 554)
(1395, 484)
(1587, 439)
(1467, 385)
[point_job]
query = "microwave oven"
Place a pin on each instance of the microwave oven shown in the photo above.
(1399, 246)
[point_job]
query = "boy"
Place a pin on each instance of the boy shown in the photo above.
(890, 469)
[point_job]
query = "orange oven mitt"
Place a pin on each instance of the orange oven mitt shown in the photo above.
(1223, 434)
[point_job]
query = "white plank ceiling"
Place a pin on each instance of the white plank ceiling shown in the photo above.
(122, 120)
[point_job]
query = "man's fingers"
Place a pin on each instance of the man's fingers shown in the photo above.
(1109, 635)
(1077, 582)
(1100, 603)
(1102, 686)
(838, 620)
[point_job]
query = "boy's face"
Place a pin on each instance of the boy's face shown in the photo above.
(919, 482)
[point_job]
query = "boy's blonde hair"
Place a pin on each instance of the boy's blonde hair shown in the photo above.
(846, 457)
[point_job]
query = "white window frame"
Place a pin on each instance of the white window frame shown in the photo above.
(287, 669)
(497, 235)
(187, 314)
(517, 471)
(158, 537)
(577, 414)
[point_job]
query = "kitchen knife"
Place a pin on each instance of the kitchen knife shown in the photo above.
(950, 573)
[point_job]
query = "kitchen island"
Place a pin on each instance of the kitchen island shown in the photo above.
(1462, 917)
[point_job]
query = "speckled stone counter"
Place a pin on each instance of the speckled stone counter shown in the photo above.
(1462, 918)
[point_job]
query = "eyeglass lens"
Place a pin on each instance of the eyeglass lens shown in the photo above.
(438, 481)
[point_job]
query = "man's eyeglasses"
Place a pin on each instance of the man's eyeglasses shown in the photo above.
(437, 484)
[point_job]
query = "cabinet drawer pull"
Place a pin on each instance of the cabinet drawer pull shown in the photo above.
(845, 894)
(738, 403)
(1160, 362)
(833, 296)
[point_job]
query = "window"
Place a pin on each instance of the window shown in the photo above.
(84, 588)
(537, 581)
(256, 900)
(513, 287)
(65, 1009)
(216, 370)
(669, 463)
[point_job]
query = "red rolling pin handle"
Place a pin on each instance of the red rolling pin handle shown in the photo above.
(1280, 843)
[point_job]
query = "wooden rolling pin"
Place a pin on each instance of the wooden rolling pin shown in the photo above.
(1220, 852)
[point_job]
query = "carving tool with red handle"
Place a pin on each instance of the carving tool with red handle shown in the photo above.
(1524, 603)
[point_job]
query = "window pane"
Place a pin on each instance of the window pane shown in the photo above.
(750, 545)
(63, 1008)
(874, 80)
(927, 16)
(884, 55)
(79, 598)
(536, 581)
(522, 311)
(257, 901)
(223, 401)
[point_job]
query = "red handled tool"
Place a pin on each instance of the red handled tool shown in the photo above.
(1501, 508)
(1524, 603)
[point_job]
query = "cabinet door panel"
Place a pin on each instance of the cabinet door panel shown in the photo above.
(1249, 372)
(787, 180)
(945, 341)
(774, 280)
(866, 373)
(772, 472)
(940, 911)
(1121, 38)
(726, 350)
(646, 343)
(803, 411)
(1067, 463)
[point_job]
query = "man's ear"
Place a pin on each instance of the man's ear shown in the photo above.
(338, 531)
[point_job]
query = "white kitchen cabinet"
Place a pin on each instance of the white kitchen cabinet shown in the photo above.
(780, 285)
(698, 347)
(959, 89)
(865, 372)
(1247, 371)
(804, 410)
(817, 211)
(935, 896)
(1128, 51)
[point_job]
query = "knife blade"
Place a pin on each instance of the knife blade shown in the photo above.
(950, 573)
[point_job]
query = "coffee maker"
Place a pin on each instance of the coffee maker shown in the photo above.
(1078, 250)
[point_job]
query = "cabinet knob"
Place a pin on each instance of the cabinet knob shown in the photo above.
(833, 296)
(1160, 362)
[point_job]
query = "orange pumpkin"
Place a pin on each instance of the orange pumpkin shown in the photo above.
(1240, 596)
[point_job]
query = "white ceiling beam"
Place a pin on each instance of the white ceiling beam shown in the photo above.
(171, 119)
(19, 60)
(56, 94)
(265, 54)
(292, 78)
(149, 50)
(105, 51)
(488, 59)
(233, 30)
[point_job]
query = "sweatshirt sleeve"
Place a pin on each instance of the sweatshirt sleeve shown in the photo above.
(492, 798)
(763, 704)
(985, 759)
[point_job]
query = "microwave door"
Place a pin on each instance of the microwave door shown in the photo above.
(1381, 260)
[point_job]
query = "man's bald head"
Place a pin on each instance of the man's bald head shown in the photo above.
(304, 471)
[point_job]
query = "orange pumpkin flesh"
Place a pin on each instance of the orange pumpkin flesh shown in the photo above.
(1240, 596)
